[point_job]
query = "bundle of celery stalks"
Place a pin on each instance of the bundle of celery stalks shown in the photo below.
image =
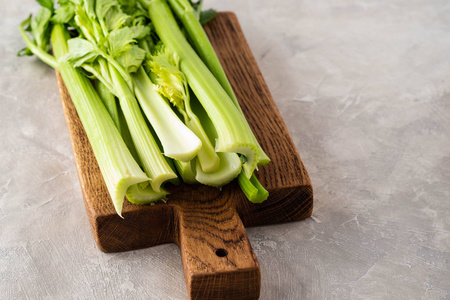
(151, 94)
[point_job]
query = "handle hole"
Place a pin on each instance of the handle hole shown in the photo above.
(221, 252)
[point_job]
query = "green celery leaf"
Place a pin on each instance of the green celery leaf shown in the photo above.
(207, 15)
(132, 59)
(81, 51)
(84, 22)
(40, 28)
(128, 6)
(102, 7)
(47, 4)
(121, 40)
(110, 14)
(64, 13)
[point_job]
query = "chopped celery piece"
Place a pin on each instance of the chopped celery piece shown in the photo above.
(177, 140)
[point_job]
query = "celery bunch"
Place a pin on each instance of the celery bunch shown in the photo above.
(161, 105)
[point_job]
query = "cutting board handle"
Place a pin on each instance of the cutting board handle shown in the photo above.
(218, 260)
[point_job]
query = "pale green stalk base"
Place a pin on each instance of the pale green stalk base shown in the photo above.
(207, 157)
(230, 167)
(186, 170)
(142, 196)
(178, 141)
(252, 188)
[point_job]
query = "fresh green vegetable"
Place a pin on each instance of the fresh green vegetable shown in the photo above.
(197, 36)
(234, 133)
(155, 97)
(137, 194)
(109, 101)
(164, 67)
(117, 166)
(178, 141)
(186, 170)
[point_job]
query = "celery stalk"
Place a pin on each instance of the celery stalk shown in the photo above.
(117, 166)
(109, 101)
(153, 162)
(185, 12)
(177, 140)
(229, 168)
(186, 170)
(230, 164)
(164, 69)
(234, 133)
(205, 50)
(142, 196)
(252, 188)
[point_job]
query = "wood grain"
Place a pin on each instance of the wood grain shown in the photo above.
(207, 223)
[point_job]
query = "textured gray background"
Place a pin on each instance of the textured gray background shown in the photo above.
(364, 87)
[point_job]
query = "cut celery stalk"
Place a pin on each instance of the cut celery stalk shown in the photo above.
(186, 170)
(171, 83)
(177, 140)
(207, 157)
(109, 101)
(197, 36)
(136, 194)
(153, 162)
(263, 194)
(230, 167)
(116, 164)
(234, 133)
(230, 163)
(252, 188)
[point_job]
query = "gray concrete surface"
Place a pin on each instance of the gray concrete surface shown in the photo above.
(364, 87)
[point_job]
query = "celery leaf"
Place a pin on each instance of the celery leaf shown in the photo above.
(132, 59)
(40, 29)
(81, 51)
(48, 4)
(121, 40)
(64, 13)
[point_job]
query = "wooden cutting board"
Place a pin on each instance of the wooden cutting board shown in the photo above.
(207, 223)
